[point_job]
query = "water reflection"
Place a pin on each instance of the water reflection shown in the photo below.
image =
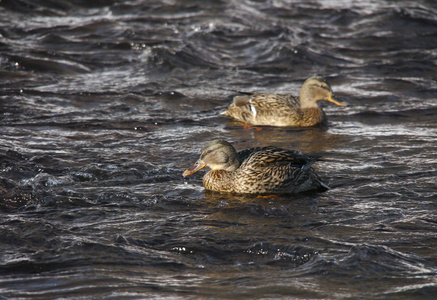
(312, 140)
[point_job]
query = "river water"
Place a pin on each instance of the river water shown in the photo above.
(105, 103)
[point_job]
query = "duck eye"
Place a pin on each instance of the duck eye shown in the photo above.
(324, 86)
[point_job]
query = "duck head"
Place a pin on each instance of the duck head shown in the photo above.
(316, 89)
(217, 155)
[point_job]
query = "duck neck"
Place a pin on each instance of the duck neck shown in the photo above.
(307, 99)
(219, 181)
(311, 116)
(231, 164)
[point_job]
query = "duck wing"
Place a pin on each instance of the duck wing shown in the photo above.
(260, 158)
(276, 170)
(277, 103)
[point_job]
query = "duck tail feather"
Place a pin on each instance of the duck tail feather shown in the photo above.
(324, 185)
(311, 161)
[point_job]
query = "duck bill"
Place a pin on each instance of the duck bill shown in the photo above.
(199, 165)
(332, 99)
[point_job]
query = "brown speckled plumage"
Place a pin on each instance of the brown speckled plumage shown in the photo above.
(267, 170)
(284, 109)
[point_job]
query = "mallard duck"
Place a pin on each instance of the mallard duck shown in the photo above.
(284, 109)
(266, 170)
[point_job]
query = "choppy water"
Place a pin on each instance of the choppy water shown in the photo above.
(105, 103)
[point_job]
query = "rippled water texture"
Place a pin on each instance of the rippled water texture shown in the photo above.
(105, 103)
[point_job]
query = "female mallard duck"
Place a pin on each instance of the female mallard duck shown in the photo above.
(283, 109)
(266, 170)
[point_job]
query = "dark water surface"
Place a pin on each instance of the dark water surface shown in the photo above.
(105, 103)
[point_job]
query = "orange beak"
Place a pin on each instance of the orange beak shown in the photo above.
(199, 165)
(331, 99)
